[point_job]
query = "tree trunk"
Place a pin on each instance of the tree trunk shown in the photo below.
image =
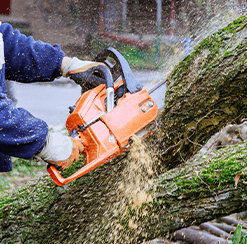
(134, 197)
(206, 91)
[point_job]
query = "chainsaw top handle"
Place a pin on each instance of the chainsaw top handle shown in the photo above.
(119, 67)
(105, 73)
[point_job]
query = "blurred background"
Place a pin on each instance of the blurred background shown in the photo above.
(146, 31)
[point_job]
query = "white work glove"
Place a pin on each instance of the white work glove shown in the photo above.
(61, 150)
(84, 73)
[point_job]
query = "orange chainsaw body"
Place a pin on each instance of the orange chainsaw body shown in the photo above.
(106, 117)
(109, 135)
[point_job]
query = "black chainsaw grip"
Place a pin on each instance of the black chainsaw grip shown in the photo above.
(105, 73)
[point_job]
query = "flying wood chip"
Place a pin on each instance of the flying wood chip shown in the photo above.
(237, 179)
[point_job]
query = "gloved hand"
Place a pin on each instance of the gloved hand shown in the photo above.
(61, 150)
(84, 73)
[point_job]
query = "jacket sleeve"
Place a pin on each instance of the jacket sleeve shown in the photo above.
(21, 134)
(27, 60)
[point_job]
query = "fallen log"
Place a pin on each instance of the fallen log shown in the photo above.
(161, 187)
(215, 230)
(197, 236)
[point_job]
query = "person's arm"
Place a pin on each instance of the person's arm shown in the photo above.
(27, 60)
(24, 136)
(21, 134)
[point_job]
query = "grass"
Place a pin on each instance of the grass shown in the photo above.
(23, 171)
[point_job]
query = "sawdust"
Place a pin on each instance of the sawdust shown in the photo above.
(132, 190)
(114, 194)
(137, 176)
(135, 182)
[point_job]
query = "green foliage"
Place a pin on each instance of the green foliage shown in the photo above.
(239, 236)
(142, 58)
(138, 58)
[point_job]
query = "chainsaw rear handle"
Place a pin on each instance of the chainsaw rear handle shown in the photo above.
(60, 181)
(120, 67)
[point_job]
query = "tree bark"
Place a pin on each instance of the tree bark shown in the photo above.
(206, 91)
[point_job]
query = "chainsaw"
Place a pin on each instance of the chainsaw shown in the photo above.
(106, 117)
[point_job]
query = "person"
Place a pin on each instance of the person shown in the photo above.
(22, 135)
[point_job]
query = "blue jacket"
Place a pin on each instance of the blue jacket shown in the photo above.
(25, 60)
